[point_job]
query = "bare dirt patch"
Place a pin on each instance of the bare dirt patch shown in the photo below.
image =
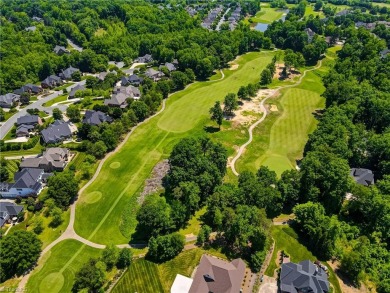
(250, 110)
(154, 183)
(278, 73)
(345, 284)
(233, 66)
(273, 108)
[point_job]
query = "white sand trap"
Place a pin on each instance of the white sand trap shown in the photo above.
(273, 108)
(233, 67)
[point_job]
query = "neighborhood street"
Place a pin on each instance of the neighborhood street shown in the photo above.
(7, 125)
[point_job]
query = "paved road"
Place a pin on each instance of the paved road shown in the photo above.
(74, 46)
(264, 110)
(7, 125)
(222, 20)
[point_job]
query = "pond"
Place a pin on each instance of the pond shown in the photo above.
(263, 26)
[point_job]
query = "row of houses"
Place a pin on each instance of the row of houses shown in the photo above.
(11, 99)
(234, 18)
(212, 16)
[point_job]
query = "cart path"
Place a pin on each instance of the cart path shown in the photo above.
(264, 110)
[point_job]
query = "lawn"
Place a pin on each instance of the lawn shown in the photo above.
(58, 99)
(286, 239)
(194, 223)
(267, 15)
(108, 202)
(279, 141)
(12, 167)
(145, 276)
(56, 270)
(64, 86)
(37, 149)
(310, 11)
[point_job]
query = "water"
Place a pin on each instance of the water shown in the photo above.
(262, 27)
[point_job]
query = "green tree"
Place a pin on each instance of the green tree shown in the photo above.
(141, 110)
(98, 149)
(230, 104)
(57, 219)
(243, 93)
(163, 248)
(73, 113)
(124, 259)
(57, 114)
(265, 77)
(90, 277)
(179, 79)
(217, 113)
(318, 5)
(204, 234)
(76, 76)
(4, 174)
(110, 256)
(19, 251)
(63, 188)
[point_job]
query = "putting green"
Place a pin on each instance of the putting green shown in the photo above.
(115, 165)
(52, 283)
(92, 197)
(277, 162)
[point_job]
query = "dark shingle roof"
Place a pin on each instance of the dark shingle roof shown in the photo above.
(79, 87)
(27, 119)
(67, 73)
(56, 132)
(305, 276)
(28, 178)
(362, 176)
(96, 117)
(9, 98)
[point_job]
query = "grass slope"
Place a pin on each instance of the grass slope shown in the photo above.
(185, 114)
(280, 139)
(57, 273)
(267, 15)
(145, 276)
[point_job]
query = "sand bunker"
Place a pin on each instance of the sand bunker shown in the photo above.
(233, 67)
(273, 108)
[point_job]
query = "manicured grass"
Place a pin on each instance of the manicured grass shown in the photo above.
(12, 167)
(267, 15)
(58, 99)
(186, 114)
(310, 11)
(64, 86)
(56, 270)
(145, 276)
(280, 139)
(286, 239)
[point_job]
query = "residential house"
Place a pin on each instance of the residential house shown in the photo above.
(31, 28)
(96, 118)
(362, 176)
(67, 73)
(154, 74)
(130, 91)
(60, 50)
(171, 67)
(303, 277)
(117, 100)
(344, 12)
(310, 34)
(79, 87)
(29, 120)
(56, 132)
(51, 81)
(119, 64)
(384, 53)
(38, 19)
(132, 79)
(8, 100)
(9, 210)
(216, 275)
(191, 11)
(144, 59)
(23, 130)
(182, 284)
(102, 75)
(28, 88)
(53, 159)
(28, 182)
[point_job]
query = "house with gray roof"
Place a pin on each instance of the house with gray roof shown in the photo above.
(31, 28)
(79, 87)
(53, 159)
(23, 130)
(132, 79)
(8, 210)
(117, 100)
(154, 74)
(362, 176)
(67, 73)
(28, 88)
(51, 81)
(28, 182)
(36, 18)
(56, 132)
(29, 120)
(60, 50)
(96, 118)
(218, 276)
(102, 75)
(144, 59)
(8, 100)
(303, 277)
(170, 66)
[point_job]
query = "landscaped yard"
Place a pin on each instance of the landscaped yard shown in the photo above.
(37, 149)
(60, 265)
(286, 239)
(145, 276)
(58, 99)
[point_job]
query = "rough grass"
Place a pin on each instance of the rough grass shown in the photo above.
(194, 223)
(145, 276)
(60, 267)
(267, 15)
(287, 239)
(280, 139)
(186, 114)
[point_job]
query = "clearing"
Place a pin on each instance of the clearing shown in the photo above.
(267, 15)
